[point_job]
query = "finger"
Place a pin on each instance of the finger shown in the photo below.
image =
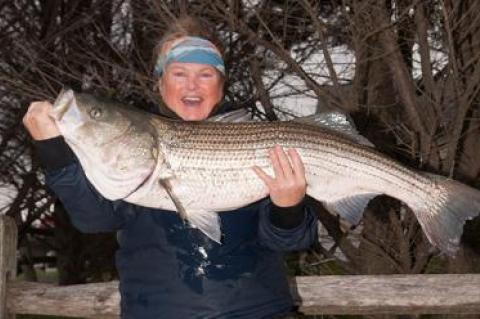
(38, 110)
(263, 176)
(39, 105)
(284, 162)
(277, 167)
(297, 163)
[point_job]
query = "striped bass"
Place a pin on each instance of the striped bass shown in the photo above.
(201, 168)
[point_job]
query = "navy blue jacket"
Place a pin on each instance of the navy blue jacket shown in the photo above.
(170, 270)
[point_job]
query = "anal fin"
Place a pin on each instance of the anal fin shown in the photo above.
(350, 208)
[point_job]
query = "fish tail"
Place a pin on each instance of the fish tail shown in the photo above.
(444, 214)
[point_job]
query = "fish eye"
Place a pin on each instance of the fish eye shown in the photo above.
(95, 112)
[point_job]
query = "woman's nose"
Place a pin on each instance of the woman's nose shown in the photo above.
(192, 82)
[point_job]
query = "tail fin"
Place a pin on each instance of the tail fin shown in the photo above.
(451, 204)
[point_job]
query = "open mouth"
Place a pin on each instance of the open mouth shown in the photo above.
(192, 100)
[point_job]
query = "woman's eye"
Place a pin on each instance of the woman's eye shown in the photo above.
(179, 74)
(206, 75)
(95, 113)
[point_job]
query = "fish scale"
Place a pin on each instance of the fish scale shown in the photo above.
(203, 168)
(368, 163)
(368, 159)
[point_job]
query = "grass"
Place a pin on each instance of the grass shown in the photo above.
(50, 276)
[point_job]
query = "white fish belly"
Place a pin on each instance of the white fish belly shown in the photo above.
(218, 180)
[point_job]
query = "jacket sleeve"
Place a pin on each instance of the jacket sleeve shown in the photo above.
(88, 210)
(273, 236)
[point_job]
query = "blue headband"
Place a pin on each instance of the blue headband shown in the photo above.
(191, 50)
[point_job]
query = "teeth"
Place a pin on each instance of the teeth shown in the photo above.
(192, 99)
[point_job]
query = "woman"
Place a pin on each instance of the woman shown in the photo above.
(166, 268)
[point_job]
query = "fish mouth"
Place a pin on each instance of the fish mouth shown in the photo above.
(62, 104)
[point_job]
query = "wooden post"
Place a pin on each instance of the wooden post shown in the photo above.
(8, 261)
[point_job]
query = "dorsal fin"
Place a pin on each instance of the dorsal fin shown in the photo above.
(337, 121)
(240, 115)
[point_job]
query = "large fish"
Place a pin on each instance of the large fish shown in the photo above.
(201, 168)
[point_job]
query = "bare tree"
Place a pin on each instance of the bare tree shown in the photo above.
(409, 76)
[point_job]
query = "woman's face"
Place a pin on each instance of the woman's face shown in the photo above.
(191, 90)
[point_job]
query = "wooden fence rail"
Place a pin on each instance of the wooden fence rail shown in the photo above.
(388, 294)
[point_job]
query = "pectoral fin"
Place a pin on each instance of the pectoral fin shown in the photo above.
(167, 185)
(207, 222)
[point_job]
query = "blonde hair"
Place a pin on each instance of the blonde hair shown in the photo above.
(183, 27)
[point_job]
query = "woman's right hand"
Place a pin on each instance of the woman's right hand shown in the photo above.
(38, 121)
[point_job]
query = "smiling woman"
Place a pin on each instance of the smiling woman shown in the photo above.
(191, 90)
(190, 70)
(191, 76)
(167, 268)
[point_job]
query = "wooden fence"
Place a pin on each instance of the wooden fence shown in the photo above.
(389, 294)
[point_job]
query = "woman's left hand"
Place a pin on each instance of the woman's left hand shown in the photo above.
(287, 188)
